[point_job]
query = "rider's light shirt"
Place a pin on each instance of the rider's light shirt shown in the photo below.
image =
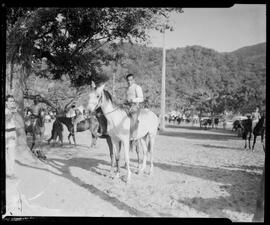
(134, 93)
(71, 113)
(256, 116)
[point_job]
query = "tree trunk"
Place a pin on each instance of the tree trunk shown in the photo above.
(22, 149)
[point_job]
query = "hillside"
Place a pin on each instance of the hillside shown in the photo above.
(197, 71)
(197, 78)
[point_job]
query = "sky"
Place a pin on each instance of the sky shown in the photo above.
(221, 29)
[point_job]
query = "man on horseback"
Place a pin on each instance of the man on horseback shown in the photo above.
(134, 98)
(255, 117)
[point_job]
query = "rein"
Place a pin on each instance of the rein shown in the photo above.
(98, 105)
(100, 114)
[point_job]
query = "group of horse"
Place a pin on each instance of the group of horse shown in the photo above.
(115, 128)
(246, 130)
(208, 122)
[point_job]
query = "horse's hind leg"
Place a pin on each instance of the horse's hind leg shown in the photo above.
(137, 147)
(254, 141)
(144, 148)
(151, 150)
(262, 140)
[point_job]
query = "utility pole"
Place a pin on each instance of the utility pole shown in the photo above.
(113, 82)
(162, 114)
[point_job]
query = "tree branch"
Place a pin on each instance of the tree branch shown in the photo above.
(40, 99)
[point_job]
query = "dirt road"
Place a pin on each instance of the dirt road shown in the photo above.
(197, 173)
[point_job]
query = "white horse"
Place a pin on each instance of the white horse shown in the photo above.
(118, 127)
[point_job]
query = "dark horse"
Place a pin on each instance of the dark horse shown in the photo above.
(96, 123)
(36, 127)
(259, 129)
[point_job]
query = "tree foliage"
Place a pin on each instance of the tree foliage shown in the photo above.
(70, 39)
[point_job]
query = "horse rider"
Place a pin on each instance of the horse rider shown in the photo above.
(35, 109)
(134, 98)
(255, 117)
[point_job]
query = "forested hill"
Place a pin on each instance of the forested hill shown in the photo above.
(194, 74)
(251, 51)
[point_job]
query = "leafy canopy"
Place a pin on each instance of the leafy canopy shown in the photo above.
(70, 39)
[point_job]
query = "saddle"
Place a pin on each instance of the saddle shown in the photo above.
(133, 114)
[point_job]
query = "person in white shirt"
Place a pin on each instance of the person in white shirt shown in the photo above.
(134, 96)
(10, 135)
(255, 117)
(71, 113)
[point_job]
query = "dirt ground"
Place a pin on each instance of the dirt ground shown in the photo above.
(197, 173)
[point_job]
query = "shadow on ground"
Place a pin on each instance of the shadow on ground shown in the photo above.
(87, 164)
(234, 182)
(200, 135)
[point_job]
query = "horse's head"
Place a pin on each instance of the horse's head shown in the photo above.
(95, 97)
(42, 112)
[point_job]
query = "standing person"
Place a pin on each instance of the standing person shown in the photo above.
(255, 117)
(72, 114)
(34, 109)
(10, 135)
(134, 96)
(13, 199)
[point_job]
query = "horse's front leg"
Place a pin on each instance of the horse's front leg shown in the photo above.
(245, 143)
(254, 141)
(94, 140)
(262, 140)
(112, 154)
(74, 139)
(69, 138)
(116, 148)
(249, 139)
(61, 138)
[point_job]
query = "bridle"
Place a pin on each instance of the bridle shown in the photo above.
(99, 104)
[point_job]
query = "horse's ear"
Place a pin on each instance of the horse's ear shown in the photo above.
(93, 85)
(100, 88)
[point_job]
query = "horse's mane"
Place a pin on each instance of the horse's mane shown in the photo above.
(108, 96)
